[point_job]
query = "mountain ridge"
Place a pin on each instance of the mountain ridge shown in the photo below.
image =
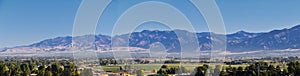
(236, 42)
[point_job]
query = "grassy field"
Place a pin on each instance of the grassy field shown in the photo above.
(151, 67)
(110, 68)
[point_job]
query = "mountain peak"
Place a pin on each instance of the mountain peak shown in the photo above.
(241, 32)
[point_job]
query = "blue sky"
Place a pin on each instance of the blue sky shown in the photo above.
(24, 22)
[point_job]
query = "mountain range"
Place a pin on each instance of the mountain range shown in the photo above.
(237, 42)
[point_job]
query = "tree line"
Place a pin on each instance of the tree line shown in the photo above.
(255, 69)
(39, 68)
(263, 69)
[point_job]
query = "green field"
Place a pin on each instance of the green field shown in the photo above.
(151, 67)
(110, 68)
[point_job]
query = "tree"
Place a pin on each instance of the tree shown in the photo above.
(172, 70)
(55, 69)
(162, 71)
(240, 71)
(285, 72)
(5, 70)
(120, 68)
(41, 70)
(67, 72)
(251, 70)
(25, 69)
(271, 70)
(75, 73)
(201, 70)
(291, 67)
(205, 66)
(16, 71)
(41, 73)
(164, 66)
(48, 73)
(265, 74)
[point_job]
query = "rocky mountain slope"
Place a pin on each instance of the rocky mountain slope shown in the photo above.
(236, 42)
